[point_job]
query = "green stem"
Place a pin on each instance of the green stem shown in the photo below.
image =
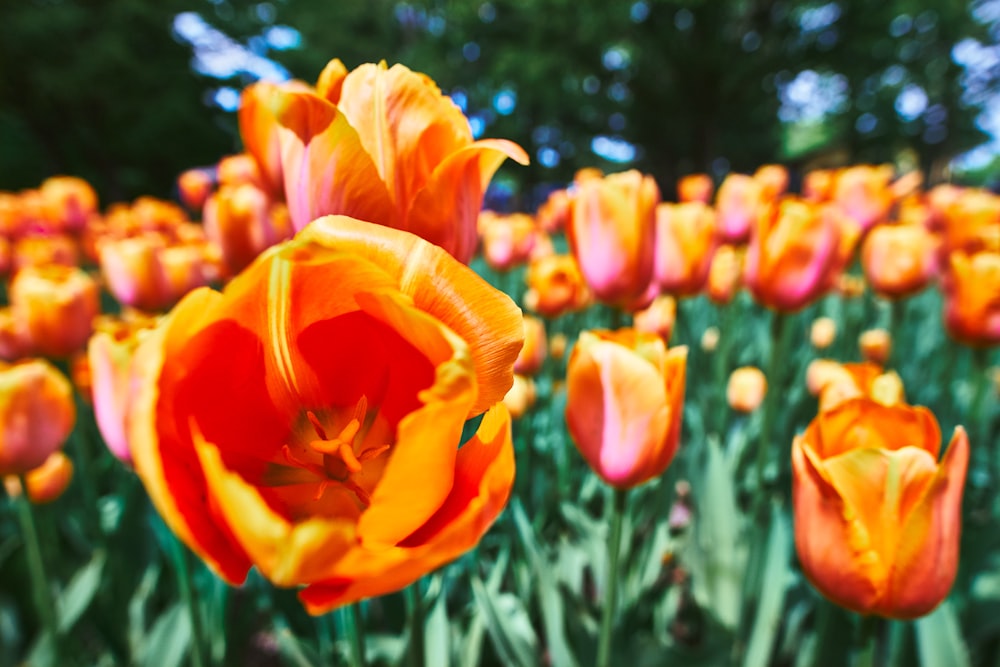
(415, 614)
(869, 630)
(611, 595)
(355, 634)
(720, 366)
(36, 567)
(779, 329)
(189, 596)
(897, 316)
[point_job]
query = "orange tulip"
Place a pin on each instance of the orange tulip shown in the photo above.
(773, 179)
(899, 260)
(69, 202)
(817, 186)
(972, 297)
(555, 286)
(313, 432)
(746, 389)
(259, 130)
(737, 205)
(796, 253)
(725, 274)
(194, 186)
(624, 403)
(833, 383)
(43, 250)
(56, 307)
(970, 220)
(145, 272)
(383, 144)
(611, 232)
(863, 193)
(37, 414)
(521, 396)
(823, 332)
(508, 240)
(695, 188)
(658, 317)
(877, 516)
(685, 244)
(241, 220)
(875, 345)
(553, 214)
(46, 482)
(532, 356)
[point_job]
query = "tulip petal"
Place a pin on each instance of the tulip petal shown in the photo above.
(484, 475)
(331, 80)
(259, 130)
(445, 209)
(927, 554)
(447, 290)
(860, 422)
(325, 166)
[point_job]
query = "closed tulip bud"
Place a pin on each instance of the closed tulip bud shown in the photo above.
(834, 383)
(144, 272)
(773, 179)
(685, 243)
(875, 345)
(970, 221)
(521, 396)
(695, 187)
(56, 306)
(817, 186)
(863, 193)
(877, 515)
(611, 232)
(194, 186)
(710, 339)
(725, 274)
(240, 220)
(557, 345)
(658, 317)
(746, 389)
(46, 482)
(624, 402)
(972, 309)
(850, 287)
(823, 332)
(737, 205)
(69, 202)
(43, 250)
(899, 260)
(508, 240)
(553, 214)
(532, 355)
(555, 286)
(37, 414)
(238, 169)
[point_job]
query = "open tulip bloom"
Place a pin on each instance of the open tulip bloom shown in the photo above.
(307, 419)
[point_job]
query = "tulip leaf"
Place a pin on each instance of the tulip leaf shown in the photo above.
(168, 640)
(470, 427)
(508, 625)
(939, 639)
(137, 606)
(767, 620)
(437, 634)
(80, 592)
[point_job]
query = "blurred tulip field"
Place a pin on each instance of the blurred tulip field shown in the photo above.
(334, 403)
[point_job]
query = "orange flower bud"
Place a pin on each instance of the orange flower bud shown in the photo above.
(240, 220)
(532, 355)
(875, 345)
(817, 186)
(695, 187)
(685, 243)
(56, 306)
(555, 286)
(971, 286)
(46, 482)
(553, 214)
(863, 193)
(970, 221)
(624, 403)
(796, 253)
(773, 179)
(737, 205)
(611, 231)
(877, 516)
(725, 274)
(144, 272)
(658, 317)
(508, 240)
(194, 186)
(710, 339)
(521, 396)
(746, 389)
(823, 332)
(557, 345)
(238, 169)
(835, 383)
(43, 250)
(37, 414)
(899, 260)
(69, 202)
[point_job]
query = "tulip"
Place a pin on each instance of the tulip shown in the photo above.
(899, 260)
(46, 482)
(875, 345)
(773, 179)
(817, 186)
(238, 169)
(508, 240)
(834, 383)
(970, 221)
(37, 414)
(797, 251)
(658, 317)
(242, 221)
(746, 389)
(69, 202)
(314, 432)
(685, 243)
(611, 232)
(385, 145)
(877, 516)
(625, 396)
(972, 308)
(529, 361)
(194, 186)
(823, 332)
(737, 205)
(259, 131)
(145, 273)
(710, 339)
(56, 306)
(695, 188)
(43, 250)
(555, 286)
(521, 396)
(725, 274)
(863, 193)
(553, 214)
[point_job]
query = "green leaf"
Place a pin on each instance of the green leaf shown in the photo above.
(80, 592)
(939, 639)
(508, 625)
(767, 620)
(168, 640)
(437, 634)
